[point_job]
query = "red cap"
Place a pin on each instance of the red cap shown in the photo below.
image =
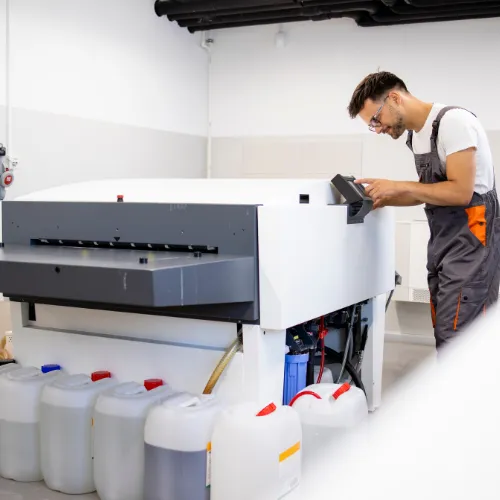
(119, 196)
(271, 408)
(100, 375)
(153, 383)
(341, 390)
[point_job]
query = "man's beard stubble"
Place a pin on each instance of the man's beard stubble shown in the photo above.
(398, 129)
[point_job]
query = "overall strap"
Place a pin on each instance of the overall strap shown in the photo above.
(409, 140)
(437, 121)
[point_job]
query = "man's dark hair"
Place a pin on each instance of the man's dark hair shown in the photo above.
(373, 86)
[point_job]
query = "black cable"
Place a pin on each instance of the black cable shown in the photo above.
(347, 346)
(389, 300)
(310, 367)
(349, 368)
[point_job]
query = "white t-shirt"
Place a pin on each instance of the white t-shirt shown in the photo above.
(459, 129)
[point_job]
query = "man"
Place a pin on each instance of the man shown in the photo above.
(457, 185)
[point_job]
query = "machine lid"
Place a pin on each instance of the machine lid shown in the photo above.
(126, 277)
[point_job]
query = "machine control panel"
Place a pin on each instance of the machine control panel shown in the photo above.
(359, 204)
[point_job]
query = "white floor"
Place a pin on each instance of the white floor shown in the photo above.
(400, 359)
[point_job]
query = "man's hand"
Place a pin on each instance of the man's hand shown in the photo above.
(381, 189)
(457, 190)
(385, 193)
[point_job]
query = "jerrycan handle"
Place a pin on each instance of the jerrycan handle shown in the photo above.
(304, 393)
(194, 401)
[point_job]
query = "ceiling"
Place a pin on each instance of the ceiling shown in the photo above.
(201, 15)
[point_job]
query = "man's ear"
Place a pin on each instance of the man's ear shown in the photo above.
(395, 97)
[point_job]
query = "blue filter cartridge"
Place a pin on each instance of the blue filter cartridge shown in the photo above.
(295, 375)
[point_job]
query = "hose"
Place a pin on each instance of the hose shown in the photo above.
(362, 350)
(348, 342)
(349, 368)
(322, 334)
(219, 369)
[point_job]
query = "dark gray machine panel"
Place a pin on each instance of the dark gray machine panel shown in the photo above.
(187, 260)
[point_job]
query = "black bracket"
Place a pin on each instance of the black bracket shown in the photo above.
(359, 204)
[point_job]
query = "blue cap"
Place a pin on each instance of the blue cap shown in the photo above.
(50, 368)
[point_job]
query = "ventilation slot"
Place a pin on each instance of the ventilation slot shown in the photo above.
(421, 295)
(122, 245)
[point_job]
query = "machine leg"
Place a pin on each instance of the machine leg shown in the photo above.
(374, 351)
(264, 364)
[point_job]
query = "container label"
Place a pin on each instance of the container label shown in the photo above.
(209, 465)
(290, 452)
(289, 468)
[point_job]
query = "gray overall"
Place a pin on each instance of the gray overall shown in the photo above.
(463, 253)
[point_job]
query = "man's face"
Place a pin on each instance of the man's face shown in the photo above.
(385, 116)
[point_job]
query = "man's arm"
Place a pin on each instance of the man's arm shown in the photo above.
(457, 190)
(459, 139)
(402, 200)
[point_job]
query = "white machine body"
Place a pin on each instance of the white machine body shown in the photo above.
(311, 262)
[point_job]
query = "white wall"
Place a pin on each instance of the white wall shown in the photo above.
(102, 88)
(282, 112)
(305, 87)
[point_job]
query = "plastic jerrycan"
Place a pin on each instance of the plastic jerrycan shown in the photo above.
(256, 453)
(177, 436)
(66, 431)
(20, 392)
(4, 369)
(119, 420)
(327, 412)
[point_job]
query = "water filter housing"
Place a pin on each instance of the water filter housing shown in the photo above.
(120, 417)
(295, 375)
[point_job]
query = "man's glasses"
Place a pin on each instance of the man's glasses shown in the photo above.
(374, 122)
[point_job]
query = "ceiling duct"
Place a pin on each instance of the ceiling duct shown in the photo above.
(202, 15)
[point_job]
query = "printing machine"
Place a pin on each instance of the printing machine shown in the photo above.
(156, 277)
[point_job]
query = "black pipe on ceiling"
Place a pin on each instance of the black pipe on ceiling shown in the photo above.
(308, 13)
(241, 24)
(436, 3)
(370, 6)
(200, 15)
(436, 15)
(369, 22)
(166, 7)
(440, 9)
